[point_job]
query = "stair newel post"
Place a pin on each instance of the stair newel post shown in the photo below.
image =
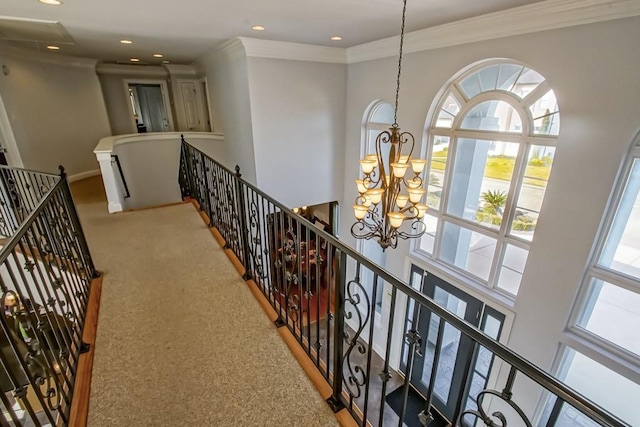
(207, 191)
(79, 233)
(243, 235)
(204, 192)
(191, 170)
(184, 180)
(335, 400)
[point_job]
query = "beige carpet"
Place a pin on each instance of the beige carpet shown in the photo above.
(181, 340)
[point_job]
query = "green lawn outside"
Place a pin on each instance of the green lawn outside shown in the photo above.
(502, 168)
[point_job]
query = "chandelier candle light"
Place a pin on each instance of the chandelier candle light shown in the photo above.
(382, 207)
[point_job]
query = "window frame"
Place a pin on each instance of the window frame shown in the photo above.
(620, 359)
(526, 138)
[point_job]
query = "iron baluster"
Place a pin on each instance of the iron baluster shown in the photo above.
(319, 286)
(335, 400)
(555, 412)
(426, 416)
(385, 375)
(77, 227)
(331, 273)
(281, 265)
(33, 376)
(468, 362)
(243, 235)
(371, 320)
(414, 339)
(207, 192)
(44, 295)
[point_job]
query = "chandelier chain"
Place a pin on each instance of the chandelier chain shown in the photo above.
(395, 112)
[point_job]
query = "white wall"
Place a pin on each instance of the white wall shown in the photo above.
(150, 164)
(298, 128)
(55, 110)
(593, 70)
(228, 84)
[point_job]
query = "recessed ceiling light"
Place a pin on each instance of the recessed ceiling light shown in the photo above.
(165, 61)
(258, 28)
(126, 42)
(158, 55)
(52, 47)
(53, 2)
(336, 38)
(134, 60)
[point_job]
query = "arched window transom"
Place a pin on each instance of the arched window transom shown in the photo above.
(491, 145)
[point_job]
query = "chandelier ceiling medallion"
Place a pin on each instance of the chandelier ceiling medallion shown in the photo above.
(383, 205)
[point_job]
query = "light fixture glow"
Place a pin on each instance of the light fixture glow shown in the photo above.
(52, 47)
(134, 60)
(360, 211)
(258, 28)
(166, 61)
(158, 55)
(380, 208)
(336, 38)
(52, 2)
(124, 41)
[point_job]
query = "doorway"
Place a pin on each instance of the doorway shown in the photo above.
(456, 350)
(149, 106)
(196, 105)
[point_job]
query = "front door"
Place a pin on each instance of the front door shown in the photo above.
(455, 350)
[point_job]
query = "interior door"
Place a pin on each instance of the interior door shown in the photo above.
(152, 105)
(455, 350)
(153, 115)
(192, 103)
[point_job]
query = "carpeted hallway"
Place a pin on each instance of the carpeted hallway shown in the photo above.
(181, 340)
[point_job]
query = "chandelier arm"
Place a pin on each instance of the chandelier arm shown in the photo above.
(362, 230)
(412, 210)
(383, 137)
(411, 140)
(418, 227)
(416, 176)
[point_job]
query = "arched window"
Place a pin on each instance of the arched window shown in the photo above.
(491, 143)
(377, 118)
(606, 318)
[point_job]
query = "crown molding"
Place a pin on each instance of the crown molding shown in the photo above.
(132, 70)
(536, 17)
(9, 51)
(180, 70)
(259, 48)
(231, 48)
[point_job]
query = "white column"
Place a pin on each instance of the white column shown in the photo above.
(114, 195)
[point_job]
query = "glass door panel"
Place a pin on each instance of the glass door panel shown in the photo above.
(455, 348)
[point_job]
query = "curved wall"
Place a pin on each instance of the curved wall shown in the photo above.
(150, 164)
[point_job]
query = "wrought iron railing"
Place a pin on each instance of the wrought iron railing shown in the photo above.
(45, 276)
(323, 291)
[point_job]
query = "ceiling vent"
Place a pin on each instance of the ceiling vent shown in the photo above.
(33, 30)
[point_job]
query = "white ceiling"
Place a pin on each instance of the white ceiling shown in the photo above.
(183, 30)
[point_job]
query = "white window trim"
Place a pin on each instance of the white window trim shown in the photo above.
(590, 344)
(525, 138)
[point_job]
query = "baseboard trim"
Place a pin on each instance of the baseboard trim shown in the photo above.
(83, 175)
(79, 413)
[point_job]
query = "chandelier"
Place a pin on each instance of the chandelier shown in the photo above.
(389, 195)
